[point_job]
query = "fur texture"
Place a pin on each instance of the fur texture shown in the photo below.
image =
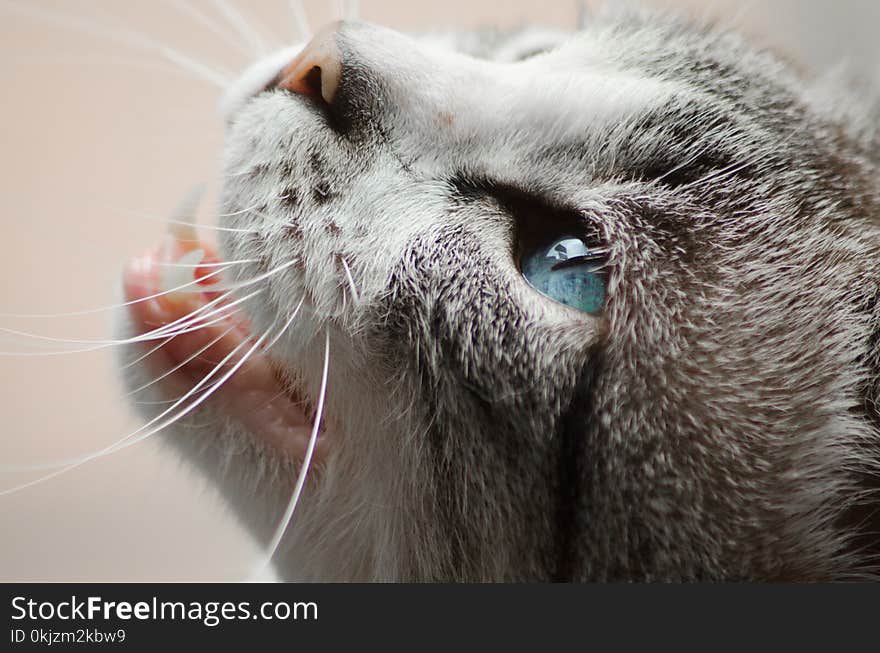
(717, 422)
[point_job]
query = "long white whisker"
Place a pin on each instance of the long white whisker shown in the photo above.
(354, 291)
(190, 322)
(240, 24)
(210, 227)
(175, 327)
(186, 8)
(265, 275)
(71, 463)
(148, 354)
(130, 439)
(293, 315)
(303, 471)
(268, 346)
(241, 211)
(195, 321)
(139, 435)
(186, 287)
(70, 59)
(218, 264)
(186, 223)
(90, 311)
(135, 301)
(219, 79)
(179, 215)
(100, 344)
(182, 364)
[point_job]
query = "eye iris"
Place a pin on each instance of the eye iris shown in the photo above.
(567, 272)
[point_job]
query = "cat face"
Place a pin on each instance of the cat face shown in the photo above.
(709, 416)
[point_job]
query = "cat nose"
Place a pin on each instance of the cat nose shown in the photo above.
(316, 70)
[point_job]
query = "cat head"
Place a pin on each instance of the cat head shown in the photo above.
(601, 305)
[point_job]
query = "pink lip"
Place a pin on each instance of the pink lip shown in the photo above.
(259, 395)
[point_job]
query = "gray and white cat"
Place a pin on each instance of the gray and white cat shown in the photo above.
(599, 306)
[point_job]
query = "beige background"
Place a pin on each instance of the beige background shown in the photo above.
(99, 140)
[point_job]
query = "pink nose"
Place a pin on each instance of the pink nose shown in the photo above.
(316, 70)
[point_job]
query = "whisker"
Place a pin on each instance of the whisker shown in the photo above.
(303, 471)
(186, 223)
(177, 327)
(71, 463)
(210, 227)
(240, 211)
(91, 311)
(97, 345)
(206, 265)
(354, 291)
(196, 323)
(180, 288)
(265, 275)
(185, 210)
(139, 435)
(241, 25)
(149, 353)
(218, 78)
(195, 316)
(182, 364)
(70, 59)
(268, 346)
(287, 325)
(187, 8)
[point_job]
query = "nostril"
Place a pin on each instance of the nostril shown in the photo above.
(315, 72)
(311, 82)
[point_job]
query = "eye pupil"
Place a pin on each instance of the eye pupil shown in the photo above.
(567, 272)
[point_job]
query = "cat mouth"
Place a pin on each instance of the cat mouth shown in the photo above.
(204, 345)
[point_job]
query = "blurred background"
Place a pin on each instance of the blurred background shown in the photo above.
(100, 139)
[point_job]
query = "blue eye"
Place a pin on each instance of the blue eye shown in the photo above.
(568, 272)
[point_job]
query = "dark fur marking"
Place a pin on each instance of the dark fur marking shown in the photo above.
(573, 467)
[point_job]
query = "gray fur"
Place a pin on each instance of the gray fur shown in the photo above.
(718, 421)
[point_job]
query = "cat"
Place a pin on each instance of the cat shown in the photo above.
(533, 306)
